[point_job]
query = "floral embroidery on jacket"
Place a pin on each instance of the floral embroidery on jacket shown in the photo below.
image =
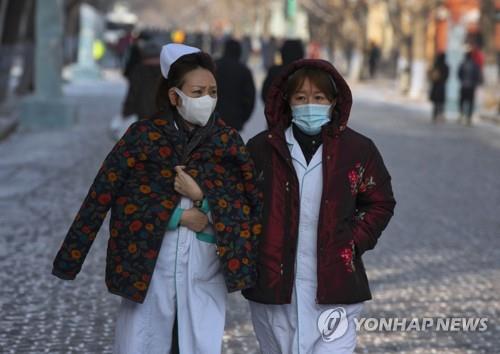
(356, 181)
(347, 255)
(359, 215)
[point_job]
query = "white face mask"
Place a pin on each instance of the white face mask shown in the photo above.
(196, 110)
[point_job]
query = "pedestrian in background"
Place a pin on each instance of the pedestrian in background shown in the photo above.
(373, 58)
(143, 82)
(268, 51)
(123, 46)
(132, 55)
(246, 49)
(469, 74)
(292, 49)
(438, 77)
(236, 87)
(327, 199)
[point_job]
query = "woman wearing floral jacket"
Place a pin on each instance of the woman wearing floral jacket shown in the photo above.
(327, 198)
(184, 216)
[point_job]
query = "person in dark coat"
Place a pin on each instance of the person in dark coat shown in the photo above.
(246, 49)
(469, 74)
(438, 77)
(373, 59)
(269, 48)
(292, 50)
(236, 87)
(144, 80)
(132, 56)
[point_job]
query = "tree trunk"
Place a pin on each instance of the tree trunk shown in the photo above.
(355, 32)
(490, 28)
(26, 83)
(418, 62)
(10, 31)
(3, 12)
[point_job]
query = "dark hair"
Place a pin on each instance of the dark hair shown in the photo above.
(320, 78)
(178, 71)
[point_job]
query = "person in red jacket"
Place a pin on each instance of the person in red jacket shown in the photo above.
(327, 199)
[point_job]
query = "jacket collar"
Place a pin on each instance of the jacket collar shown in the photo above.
(293, 144)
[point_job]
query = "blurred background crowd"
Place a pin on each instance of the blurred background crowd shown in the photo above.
(422, 48)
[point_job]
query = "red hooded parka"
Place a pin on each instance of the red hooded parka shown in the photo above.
(356, 204)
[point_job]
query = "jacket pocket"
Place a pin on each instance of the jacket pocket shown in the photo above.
(342, 232)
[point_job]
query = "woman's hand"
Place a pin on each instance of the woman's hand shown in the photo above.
(185, 185)
(194, 220)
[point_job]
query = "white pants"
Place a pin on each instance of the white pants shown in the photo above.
(188, 280)
(293, 328)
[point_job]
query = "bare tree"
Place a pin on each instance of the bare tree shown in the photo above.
(325, 23)
(14, 16)
(341, 24)
(488, 23)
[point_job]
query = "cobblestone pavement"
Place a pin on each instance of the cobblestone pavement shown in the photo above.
(439, 256)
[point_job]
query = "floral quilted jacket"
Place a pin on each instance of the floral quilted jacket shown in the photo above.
(136, 181)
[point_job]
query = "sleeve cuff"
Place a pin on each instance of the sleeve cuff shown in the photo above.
(62, 275)
(175, 219)
(204, 206)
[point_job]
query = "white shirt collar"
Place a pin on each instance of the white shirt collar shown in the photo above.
(296, 151)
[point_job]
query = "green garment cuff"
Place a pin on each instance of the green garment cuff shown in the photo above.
(205, 237)
(204, 206)
(175, 219)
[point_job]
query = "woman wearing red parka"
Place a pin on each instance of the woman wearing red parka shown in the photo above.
(327, 198)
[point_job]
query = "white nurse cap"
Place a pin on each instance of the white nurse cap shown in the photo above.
(171, 52)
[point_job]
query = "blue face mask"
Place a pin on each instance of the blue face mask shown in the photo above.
(311, 117)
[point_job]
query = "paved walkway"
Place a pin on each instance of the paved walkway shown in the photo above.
(438, 258)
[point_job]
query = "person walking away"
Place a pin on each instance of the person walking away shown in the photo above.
(292, 49)
(373, 59)
(236, 87)
(478, 56)
(122, 47)
(246, 49)
(140, 101)
(133, 54)
(327, 199)
(469, 74)
(144, 80)
(438, 77)
(268, 51)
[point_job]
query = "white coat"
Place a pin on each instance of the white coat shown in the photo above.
(187, 279)
(293, 328)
